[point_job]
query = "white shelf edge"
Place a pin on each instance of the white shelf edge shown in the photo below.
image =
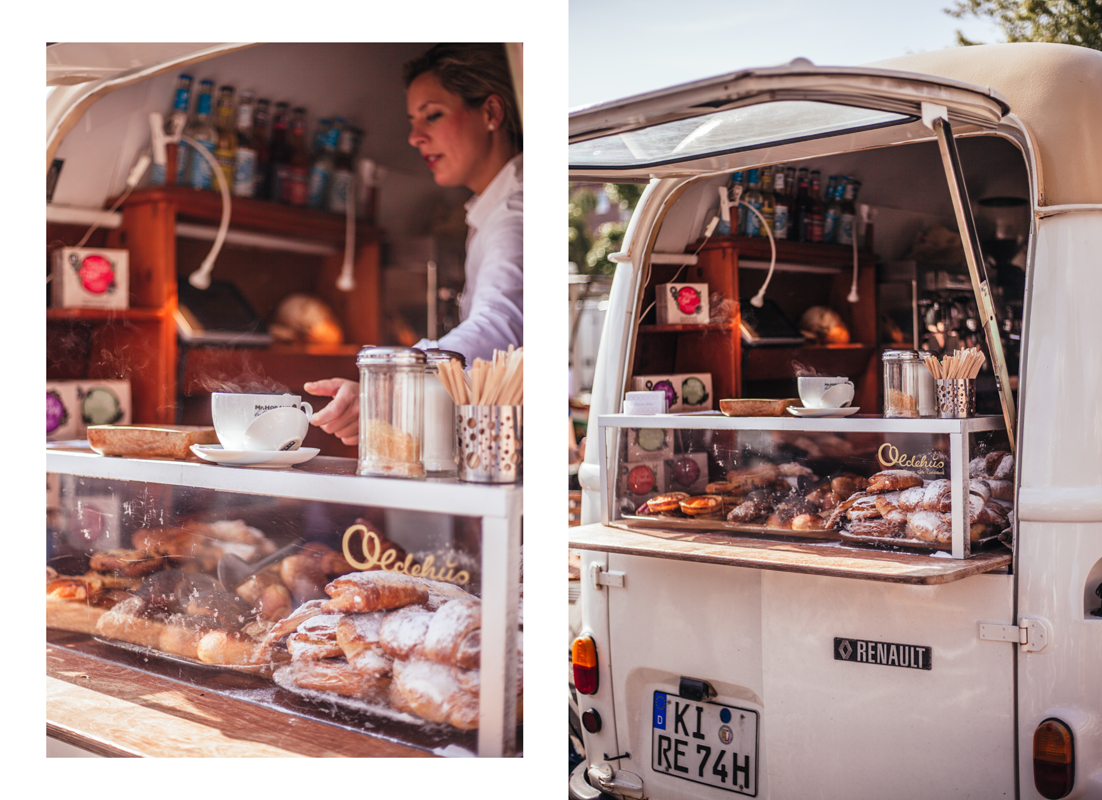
(440, 496)
(790, 423)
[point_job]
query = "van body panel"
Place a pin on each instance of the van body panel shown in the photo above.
(764, 640)
(1036, 79)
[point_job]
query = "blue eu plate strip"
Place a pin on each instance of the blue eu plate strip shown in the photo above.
(660, 710)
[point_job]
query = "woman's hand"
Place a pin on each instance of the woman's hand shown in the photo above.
(341, 417)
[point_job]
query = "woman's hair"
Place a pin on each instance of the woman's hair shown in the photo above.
(472, 71)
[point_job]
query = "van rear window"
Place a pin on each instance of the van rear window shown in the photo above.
(727, 131)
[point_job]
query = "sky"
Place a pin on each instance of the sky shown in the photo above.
(619, 48)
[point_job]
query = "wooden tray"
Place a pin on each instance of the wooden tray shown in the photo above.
(723, 526)
(915, 545)
(149, 441)
(747, 407)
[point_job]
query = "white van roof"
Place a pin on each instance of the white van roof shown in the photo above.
(1054, 89)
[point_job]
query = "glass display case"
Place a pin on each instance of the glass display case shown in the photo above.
(928, 486)
(389, 609)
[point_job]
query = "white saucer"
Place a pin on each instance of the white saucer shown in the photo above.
(800, 411)
(272, 459)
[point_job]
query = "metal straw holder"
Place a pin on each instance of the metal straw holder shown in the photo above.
(956, 398)
(490, 443)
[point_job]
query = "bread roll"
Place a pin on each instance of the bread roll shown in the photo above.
(892, 480)
(453, 636)
(402, 632)
(911, 499)
(374, 591)
(316, 638)
(359, 632)
(229, 647)
(131, 621)
(336, 675)
(938, 496)
(183, 632)
(930, 526)
(431, 691)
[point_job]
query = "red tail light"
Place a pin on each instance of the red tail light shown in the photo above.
(1053, 759)
(583, 655)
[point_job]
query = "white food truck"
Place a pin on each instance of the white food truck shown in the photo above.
(830, 653)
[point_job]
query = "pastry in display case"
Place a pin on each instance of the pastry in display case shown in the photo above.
(367, 618)
(931, 485)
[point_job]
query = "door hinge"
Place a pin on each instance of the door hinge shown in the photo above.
(1032, 634)
(605, 577)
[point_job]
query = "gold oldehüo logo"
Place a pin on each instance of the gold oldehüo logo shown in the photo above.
(889, 456)
(377, 558)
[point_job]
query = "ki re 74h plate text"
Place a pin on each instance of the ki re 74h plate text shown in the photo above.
(708, 743)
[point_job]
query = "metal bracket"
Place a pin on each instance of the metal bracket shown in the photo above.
(1032, 634)
(618, 782)
(602, 577)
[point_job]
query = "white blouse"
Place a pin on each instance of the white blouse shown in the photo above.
(491, 307)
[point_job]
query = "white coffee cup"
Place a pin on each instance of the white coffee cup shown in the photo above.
(233, 412)
(279, 429)
(812, 388)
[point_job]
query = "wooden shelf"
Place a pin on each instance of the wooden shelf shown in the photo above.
(756, 248)
(258, 216)
(699, 328)
(818, 274)
(105, 314)
(140, 343)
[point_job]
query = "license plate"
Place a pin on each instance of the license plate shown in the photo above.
(707, 743)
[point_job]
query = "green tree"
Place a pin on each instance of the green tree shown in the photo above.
(590, 243)
(1077, 22)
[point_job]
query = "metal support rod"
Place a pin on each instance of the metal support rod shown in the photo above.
(977, 269)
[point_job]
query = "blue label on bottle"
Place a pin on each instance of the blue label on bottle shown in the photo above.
(780, 222)
(830, 225)
(753, 222)
(244, 173)
(338, 194)
(202, 175)
(319, 179)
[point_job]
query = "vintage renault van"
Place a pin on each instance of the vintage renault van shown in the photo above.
(713, 662)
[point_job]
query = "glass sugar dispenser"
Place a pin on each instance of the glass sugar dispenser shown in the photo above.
(441, 440)
(901, 383)
(392, 427)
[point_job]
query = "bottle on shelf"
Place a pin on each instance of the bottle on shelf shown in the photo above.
(321, 172)
(225, 147)
(321, 136)
(200, 128)
(801, 207)
(279, 152)
(833, 209)
(260, 143)
(817, 210)
(343, 169)
(781, 205)
(180, 102)
(847, 227)
(245, 158)
(768, 202)
(296, 180)
(753, 200)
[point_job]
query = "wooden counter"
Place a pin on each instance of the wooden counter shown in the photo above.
(835, 560)
(112, 709)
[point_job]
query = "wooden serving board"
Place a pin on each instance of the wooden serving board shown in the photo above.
(149, 441)
(749, 407)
